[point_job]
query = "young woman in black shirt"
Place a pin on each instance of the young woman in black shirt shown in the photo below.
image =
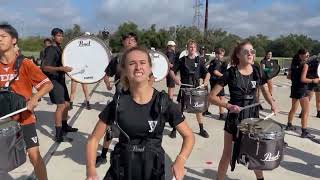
(134, 117)
(298, 76)
(243, 79)
(216, 69)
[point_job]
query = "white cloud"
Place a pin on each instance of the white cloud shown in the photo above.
(233, 16)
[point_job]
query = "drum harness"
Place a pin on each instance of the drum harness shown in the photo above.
(145, 150)
(13, 101)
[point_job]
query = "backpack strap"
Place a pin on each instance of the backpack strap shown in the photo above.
(16, 68)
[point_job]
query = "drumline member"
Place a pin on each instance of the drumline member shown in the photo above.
(172, 57)
(140, 139)
(85, 92)
(191, 68)
(129, 40)
(266, 64)
(28, 77)
(216, 69)
(298, 75)
(243, 79)
(46, 43)
(313, 88)
(53, 68)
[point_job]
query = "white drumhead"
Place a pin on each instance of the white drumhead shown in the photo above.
(88, 56)
(160, 65)
(185, 53)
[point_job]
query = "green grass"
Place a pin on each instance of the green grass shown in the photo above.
(30, 53)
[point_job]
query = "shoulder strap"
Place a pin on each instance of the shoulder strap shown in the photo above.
(16, 67)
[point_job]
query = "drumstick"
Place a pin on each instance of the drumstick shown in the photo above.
(13, 113)
(250, 106)
(269, 116)
(189, 85)
(202, 85)
(116, 81)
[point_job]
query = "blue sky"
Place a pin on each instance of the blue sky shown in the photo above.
(242, 17)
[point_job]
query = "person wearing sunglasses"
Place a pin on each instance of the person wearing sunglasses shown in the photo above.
(243, 80)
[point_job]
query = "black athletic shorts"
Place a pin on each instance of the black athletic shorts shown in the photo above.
(314, 87)
(30, 135)
(170, 81)
(59, 94)
(298, 93)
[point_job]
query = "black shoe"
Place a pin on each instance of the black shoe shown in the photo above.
(307, 135)
(318, 114)
(207, 113)
(63, 139)
(204, 134)
(260, 107)
(69, 129)
(100, 160)
(290, 128)
(88, 106)
(173, 134)
(70, 105)
(221, 117)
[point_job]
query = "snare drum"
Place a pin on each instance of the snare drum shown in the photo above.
(12, 151)
(262, 144)
(195, 100)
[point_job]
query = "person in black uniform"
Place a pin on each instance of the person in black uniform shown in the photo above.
(46, 43)
(313, 88)
(128, 41)
(141, 113)
(267, 64)
(171, 54)
(298, 75)
(216, 69)
(53, 68)
(191, 68)
(243, 79)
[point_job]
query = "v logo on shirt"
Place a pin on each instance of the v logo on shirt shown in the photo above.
(152, 125)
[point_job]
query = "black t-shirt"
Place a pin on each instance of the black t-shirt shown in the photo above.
(113, 68)
(313, 68)
(171, 57)
(218, 65)
(191, 70)
(296, 71)
(53, 57)
(268, 63)
(242, 88)
(136, 119)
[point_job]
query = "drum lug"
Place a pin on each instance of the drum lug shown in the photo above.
(258, 146)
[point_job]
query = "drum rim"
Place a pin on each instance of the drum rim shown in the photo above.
(105, 46)
(186, 50)
(166, 58)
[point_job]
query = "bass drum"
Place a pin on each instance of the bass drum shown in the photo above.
(88, 57)
(160, 65)
(185, 53)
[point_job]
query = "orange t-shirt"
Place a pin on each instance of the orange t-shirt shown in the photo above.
(30, 76)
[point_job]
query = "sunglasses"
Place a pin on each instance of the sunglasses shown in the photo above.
(246, 51)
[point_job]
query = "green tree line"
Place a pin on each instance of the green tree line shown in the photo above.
(283, 46)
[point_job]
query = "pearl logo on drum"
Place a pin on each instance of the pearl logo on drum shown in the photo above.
(197, 104)
(268, 157)
(84, 44)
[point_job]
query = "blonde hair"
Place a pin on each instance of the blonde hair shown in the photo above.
(191, 41)
(123, 78)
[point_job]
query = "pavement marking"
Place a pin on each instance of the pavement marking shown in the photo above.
(55, 145)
